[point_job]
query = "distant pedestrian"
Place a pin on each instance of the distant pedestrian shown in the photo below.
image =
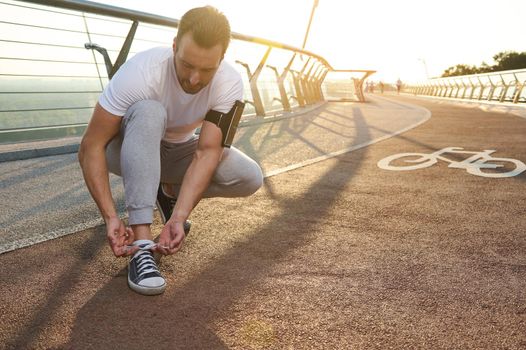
(398, 86)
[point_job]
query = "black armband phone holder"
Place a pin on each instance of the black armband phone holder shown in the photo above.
(227, 122)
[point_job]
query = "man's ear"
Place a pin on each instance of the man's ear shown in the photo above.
(174, 45)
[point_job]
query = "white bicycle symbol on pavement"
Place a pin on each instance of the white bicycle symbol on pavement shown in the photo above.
(473, 165)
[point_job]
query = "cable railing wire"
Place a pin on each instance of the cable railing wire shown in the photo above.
(58, 76)
(46, 109)
(43, 60)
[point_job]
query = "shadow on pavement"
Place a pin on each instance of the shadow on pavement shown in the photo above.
(67, 283)
(457, 277)
(184, 317)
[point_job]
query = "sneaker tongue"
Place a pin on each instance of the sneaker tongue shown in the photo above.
(142, 243)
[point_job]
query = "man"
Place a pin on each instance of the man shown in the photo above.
(143, 129)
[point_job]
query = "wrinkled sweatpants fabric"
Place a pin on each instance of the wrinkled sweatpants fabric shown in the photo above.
(140, 156)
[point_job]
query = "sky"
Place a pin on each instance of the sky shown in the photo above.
(406, 39)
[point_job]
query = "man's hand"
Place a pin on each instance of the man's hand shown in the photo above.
(120, 237)
(171, 237)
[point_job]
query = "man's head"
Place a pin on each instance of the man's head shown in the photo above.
(200, 45)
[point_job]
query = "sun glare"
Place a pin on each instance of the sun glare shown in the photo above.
(410, 39)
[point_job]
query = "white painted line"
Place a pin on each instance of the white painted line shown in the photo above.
(426, 116)
(10, 246)
(473, 164)
(26, 242)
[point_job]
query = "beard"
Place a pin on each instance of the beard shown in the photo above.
(189, 88)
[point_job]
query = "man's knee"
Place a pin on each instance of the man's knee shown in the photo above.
(237, 176)
(141, 132)
(150, 115)
(253, 180)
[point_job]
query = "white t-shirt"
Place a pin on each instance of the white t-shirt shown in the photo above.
(150, 75)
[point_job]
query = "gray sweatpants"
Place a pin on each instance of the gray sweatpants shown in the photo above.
(143, 159)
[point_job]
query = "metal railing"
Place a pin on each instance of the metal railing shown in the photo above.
(505, 86)
(51, 74)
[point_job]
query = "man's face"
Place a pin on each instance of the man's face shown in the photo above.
(195, 66)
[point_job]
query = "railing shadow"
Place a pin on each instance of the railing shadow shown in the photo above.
(291, 129)
(34, 169)
(293, 126)
(65, 204)
(185, 316)
(45, 311)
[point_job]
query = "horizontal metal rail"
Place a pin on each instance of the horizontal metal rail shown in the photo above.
(48, 86)
(503, 87)
(123, 13)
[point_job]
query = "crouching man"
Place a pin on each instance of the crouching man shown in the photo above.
(143, 129)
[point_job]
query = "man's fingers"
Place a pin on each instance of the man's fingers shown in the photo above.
(121, 229)
(121, 248)
(170, 240)
(126, 250)
(117, 251)
(130, 250)
(162, 249)
(175, 246)
(176, 242)
(116, 239)
(167, 249)
(120, 238)
(129, 236)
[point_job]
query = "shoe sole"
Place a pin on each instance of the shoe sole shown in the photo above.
(146, 290)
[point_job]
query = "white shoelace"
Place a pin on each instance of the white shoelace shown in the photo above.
(145, 262)
(146, 247)
(150, 246)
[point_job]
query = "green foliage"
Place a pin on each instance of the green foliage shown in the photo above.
(506, 60)
(509, 60)
(460, 69)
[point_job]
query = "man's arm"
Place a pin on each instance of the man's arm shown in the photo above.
(102, 127)
(195, 182)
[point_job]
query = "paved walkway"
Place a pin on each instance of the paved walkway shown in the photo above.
(44, 198)
(339, 254)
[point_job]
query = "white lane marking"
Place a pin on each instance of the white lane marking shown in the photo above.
(25, 242)
(473, 164)
(426, 116)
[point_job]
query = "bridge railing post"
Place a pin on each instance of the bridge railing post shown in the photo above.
(319, 82)
(84, 75)
(504, 90)
(457, 89)
(256, 101)
(520, 87)
(297, 87)
(304, 80)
